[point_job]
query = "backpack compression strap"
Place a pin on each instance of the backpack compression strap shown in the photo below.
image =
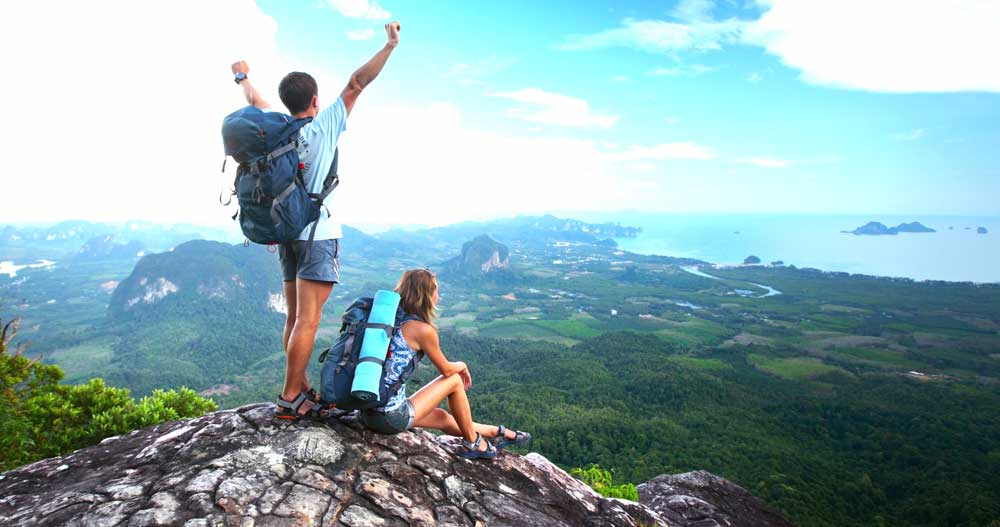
(389, 330)
(330, 183)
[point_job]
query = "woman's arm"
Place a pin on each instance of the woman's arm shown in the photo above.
(427, 342)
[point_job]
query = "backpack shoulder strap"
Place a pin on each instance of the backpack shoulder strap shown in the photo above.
(410, 316)
(331, 181)
(403, 317)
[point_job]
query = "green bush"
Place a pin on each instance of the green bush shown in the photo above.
(41, 418)
(601, 481)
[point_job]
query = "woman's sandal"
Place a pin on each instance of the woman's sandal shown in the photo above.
(302, 407)
(501, 441)
(472, 449)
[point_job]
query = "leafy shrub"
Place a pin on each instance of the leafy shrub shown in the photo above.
(40, 418)
(601, 481)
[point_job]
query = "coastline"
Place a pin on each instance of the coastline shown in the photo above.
(955, 253)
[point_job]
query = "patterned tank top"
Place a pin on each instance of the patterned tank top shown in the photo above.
(396, 364)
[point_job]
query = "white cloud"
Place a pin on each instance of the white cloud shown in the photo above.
(911, 135)
(472, 74)
(659, 36)
(643, 167)
(365, 9)
(671, 119)
(694, 10)
(886, 46)
(150, 147)
(754, 78)
(665, 151)
(361, 34)
(465, 173)
(765, 162)
(620, 78)
(131, 113)
(896, 46)
(557, 109)
(676, 71)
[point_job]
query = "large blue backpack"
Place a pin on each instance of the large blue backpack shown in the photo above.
(275, 205)
(340, 360)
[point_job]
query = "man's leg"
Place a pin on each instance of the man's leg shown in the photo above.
(310, 295)
(290, 305)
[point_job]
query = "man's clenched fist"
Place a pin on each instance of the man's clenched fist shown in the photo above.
(240, 67)
(392, 33)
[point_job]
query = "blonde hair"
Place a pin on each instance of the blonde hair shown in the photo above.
(416, 291)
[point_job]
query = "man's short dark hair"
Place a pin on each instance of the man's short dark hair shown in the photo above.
(297, 90)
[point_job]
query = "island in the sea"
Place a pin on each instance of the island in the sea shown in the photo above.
(982, 230)
(874, 228)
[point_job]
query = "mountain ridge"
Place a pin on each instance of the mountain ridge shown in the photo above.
(240, 467)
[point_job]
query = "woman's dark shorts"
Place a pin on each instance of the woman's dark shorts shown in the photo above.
(323, 264)
(391, 422)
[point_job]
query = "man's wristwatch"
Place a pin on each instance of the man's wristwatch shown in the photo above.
(240, 77)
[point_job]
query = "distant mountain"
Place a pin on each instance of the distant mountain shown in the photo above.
(109, 246)
(67, 238)
(481, 255)
(981, 230)
(569, 226)
(914, 226)
(483, 260)
(358, 244)
(874, 228)
(196, 316)
(529, 230)
(197, 272)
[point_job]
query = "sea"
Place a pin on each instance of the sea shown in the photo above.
(956, 252)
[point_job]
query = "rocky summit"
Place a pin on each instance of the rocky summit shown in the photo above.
(241, 468)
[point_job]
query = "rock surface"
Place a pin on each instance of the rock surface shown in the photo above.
(241, 468)
(703, 499)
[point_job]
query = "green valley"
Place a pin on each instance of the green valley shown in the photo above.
(840, 399)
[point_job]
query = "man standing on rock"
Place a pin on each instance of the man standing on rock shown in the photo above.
(308, 282)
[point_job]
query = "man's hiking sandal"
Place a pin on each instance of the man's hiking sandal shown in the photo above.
(315, 397)
(301, 407)
(501, 441)
(472, 449)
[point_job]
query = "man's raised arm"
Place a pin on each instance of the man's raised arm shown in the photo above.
(367, 73)
(240, 69)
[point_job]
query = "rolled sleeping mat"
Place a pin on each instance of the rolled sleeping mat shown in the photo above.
(378, 332)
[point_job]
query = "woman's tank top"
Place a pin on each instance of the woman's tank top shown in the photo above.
(397, 363)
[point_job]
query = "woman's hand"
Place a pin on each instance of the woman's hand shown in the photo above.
(462, 370)
(466, 378)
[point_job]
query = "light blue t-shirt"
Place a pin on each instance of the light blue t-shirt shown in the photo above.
(317, 143)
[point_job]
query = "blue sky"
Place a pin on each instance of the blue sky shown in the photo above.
(490, 109)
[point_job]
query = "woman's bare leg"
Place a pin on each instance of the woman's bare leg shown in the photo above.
(458, 422)
(440, 419)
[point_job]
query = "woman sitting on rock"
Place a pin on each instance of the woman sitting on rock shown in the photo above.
(418, 293)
